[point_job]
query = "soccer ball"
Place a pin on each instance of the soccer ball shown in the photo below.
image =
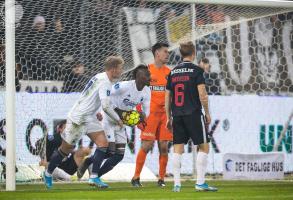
(131, 118)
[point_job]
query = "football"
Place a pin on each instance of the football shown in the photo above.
(131, 118)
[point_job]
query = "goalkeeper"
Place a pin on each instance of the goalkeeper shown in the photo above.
(69, 166)
(124, 98)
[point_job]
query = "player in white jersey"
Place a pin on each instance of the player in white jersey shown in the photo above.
(125, 96)
(82, 120)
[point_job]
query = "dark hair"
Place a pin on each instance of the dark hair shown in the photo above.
(139, 68)
(187, 49)
(157, 46)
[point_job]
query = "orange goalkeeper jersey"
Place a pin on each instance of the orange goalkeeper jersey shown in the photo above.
(158, 87)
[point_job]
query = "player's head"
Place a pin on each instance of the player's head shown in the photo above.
(187, 50)
(204, 64)
(114, 67)
(142, 75)
(60, 126)
(160, 52)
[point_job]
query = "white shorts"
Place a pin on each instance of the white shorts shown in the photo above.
(114, 133)
(73, 132)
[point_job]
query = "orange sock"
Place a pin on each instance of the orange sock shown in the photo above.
(140, 159)
(163, 165)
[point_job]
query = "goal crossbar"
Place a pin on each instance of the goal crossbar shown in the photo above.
(255, 3)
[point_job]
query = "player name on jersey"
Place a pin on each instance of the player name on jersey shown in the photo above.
(181, 70)
(180, 79)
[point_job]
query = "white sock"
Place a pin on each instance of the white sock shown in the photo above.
(61, 174)
(201, 166)
(177, 168)
(93, 176)
(48, 174)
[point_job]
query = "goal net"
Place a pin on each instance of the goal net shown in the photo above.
(60, 45)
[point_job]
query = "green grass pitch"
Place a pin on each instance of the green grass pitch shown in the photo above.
(122, 191)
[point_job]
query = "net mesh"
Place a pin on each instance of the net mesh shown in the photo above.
(60, 45)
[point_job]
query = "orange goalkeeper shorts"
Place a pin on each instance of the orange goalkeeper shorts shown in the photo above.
(156, 128)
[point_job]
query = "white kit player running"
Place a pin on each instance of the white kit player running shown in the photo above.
(125, 96)
(82, 120)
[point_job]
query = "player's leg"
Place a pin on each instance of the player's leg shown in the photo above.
(83, 162)
(177, 156)
(148, 136)
(117, 152)
(179, 139)
(197, 130)
(100, 140)
(72, 133)
(113, 160)
(163, 137)
(80, 154)
(69, 166)
(60, 174)
(163, 160)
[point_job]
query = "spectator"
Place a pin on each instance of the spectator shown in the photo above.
(2, 70)
(74, 78)
(211, 78)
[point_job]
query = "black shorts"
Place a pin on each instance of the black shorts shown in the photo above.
(190, 127)
(69, 165)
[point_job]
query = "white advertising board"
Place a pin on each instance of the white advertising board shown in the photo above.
(253, 166)
(241, 124)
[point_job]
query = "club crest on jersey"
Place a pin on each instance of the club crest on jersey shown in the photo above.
(116, 86)
(108, 92)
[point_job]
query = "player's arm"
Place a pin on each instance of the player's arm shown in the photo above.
(168, 109)
(146, 104)
(107, 106)
(204, 99)
(168, 104)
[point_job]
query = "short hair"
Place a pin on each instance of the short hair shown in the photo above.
(139, 68)
(187, 49)
(157, 46)
(205, 60)
(113, 62)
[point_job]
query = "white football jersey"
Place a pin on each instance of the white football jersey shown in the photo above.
(125, 96)
(97, 89)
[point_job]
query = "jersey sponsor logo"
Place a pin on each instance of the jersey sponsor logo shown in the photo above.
(182, 70)
(127, 102)
(108, 92)
(147, 134)
(180, 79)
(116, 86)
(157, 88)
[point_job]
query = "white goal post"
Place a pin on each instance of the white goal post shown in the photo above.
(268, 7)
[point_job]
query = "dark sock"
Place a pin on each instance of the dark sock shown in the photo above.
(89, 160)
(110, 164)
(55, 160)
(98, 158)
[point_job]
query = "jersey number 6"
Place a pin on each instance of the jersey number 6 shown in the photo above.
(179, 94)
